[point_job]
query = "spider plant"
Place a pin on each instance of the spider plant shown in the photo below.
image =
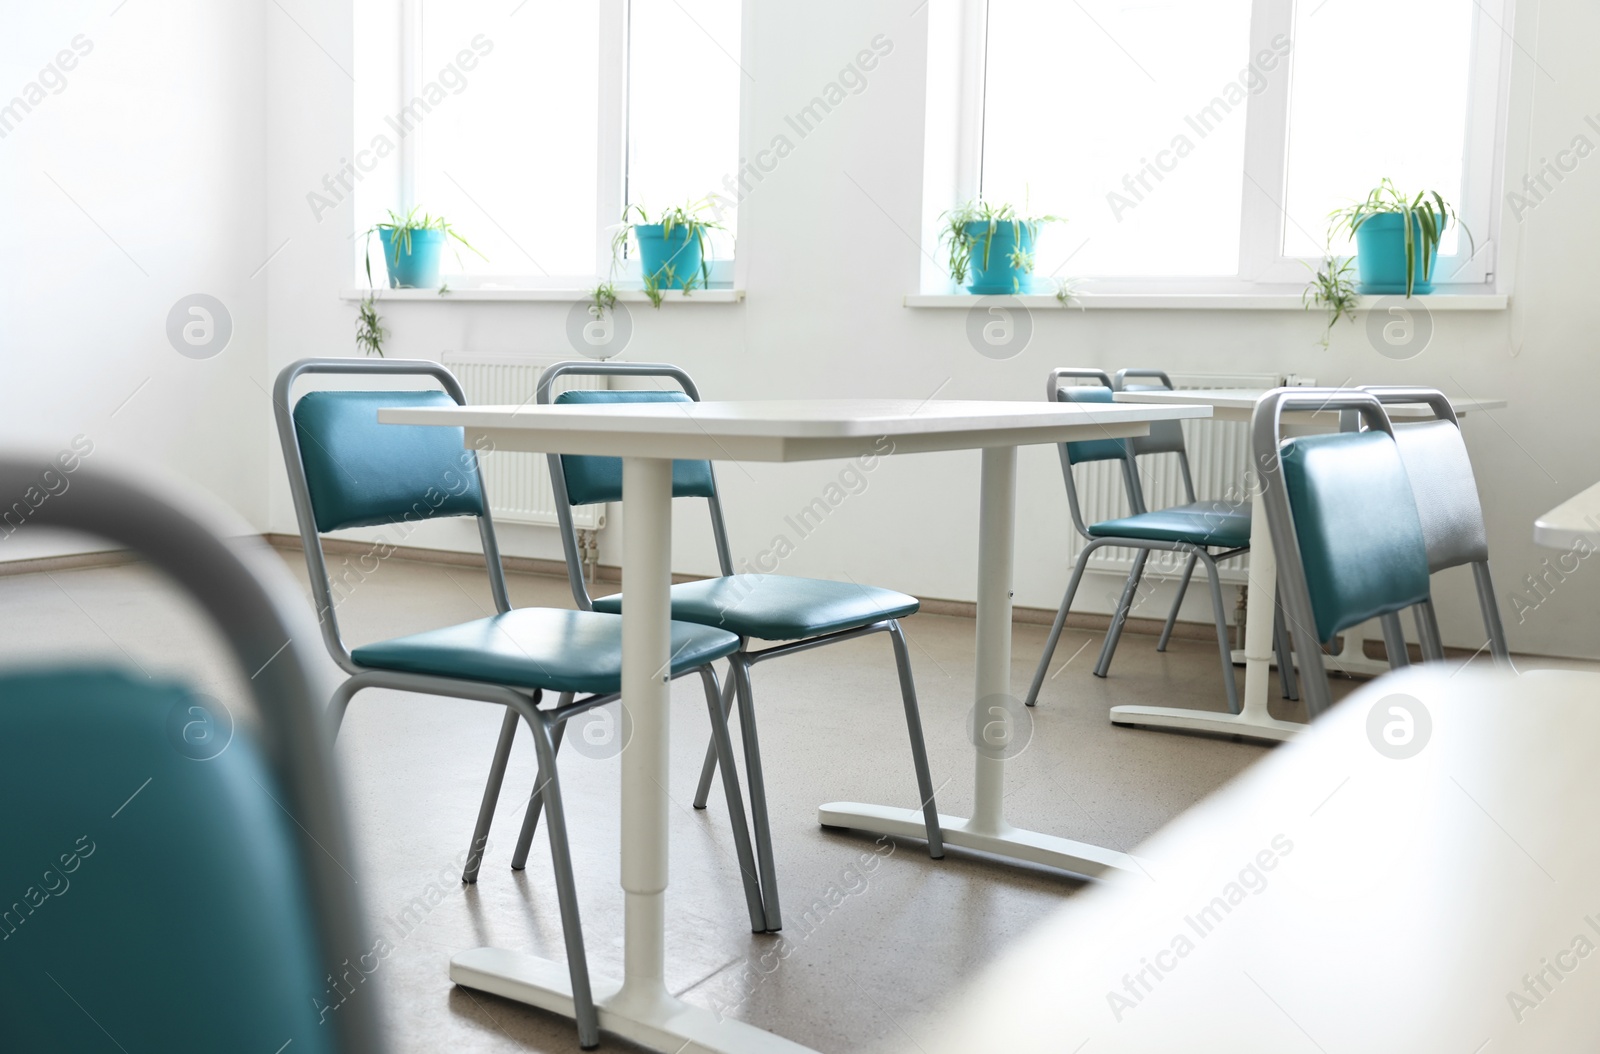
(370, 333)
(1427, 215)
(1331, 288)
(400, 228)
(961, 241)
(688, 219)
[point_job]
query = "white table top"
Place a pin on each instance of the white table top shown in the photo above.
(1231, 402)
(789, 429)
(1577, 517)
(1369, 902)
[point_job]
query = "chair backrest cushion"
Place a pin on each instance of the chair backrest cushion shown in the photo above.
(1166, 437)
(1091, 449)
(591, 479)
(1360, 538)
(1440, 471)
(363, 473)
(151, 889)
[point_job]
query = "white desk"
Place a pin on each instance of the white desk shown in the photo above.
(1406, 898)
(1577, 518)
(647, 437)
(1253, 720)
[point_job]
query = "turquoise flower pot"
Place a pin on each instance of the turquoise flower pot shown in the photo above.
(671, 262)
(997, 275)
(418, 268)
(1381, 256)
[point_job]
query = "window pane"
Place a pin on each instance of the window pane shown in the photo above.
(509, 159)
(1127, 117)
(683, 110)
(1380, 88)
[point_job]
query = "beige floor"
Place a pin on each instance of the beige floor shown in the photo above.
(855, 974)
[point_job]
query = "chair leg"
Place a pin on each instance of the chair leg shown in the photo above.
(339, 702)
(722, 743)
(530, 820)
(919, 749)
(1114, 632)
(1177, 602)
(1060, 622)
(1428, 632)
(1498, 647)
(758, 793)
(491, 796)
(709, 767)
(1285, 649)
(584, 1012)
(1220, 613)
(1394, 641)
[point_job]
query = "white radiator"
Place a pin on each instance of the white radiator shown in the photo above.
(518, 483)
(1219, 452)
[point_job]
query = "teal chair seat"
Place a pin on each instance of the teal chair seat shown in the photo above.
(548, 648)
(1213, 523)
(154, 886)
(779, 607)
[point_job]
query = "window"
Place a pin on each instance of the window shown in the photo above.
(530, 126)
(1199, 145)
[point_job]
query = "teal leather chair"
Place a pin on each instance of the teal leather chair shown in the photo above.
(1344, 524)
(177, 878)
(347, 470)
(1446, 491)
(804, 612)
(1196, 528)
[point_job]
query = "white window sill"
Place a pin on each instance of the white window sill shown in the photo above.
(564, 296)
(1205, 301)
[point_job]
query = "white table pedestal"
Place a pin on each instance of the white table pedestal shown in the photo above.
(987, 830)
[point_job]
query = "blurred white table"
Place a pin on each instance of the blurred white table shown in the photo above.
(1576, 518)
(1334, 898)
(647, 437)
(1253, 720)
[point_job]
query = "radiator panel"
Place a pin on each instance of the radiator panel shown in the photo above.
(518, 483)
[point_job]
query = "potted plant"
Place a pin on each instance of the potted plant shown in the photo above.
(672, 251)
(411, 247)
(993, 244)
(1397, 238)
(1331, 288)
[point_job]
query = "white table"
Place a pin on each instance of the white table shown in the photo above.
(647, 437)
(1576, 519)
(1253, 720)
(1414, 896)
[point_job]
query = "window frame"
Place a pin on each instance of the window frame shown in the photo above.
(958, 35)
(612, 142)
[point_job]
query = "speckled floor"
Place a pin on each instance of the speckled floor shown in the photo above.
(897, 932)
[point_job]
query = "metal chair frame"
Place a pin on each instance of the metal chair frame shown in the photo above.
(1144, 546)
(546, 724)
(738, 685)
(1427, 619)
(1265, 439)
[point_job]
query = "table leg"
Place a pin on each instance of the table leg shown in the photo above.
(995, 712)
(639, 1007)
(1253, 721)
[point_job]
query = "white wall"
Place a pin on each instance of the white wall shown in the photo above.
(163, 136)
(136, 178)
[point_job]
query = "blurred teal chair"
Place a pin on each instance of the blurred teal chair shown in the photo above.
(805, 612)
(1344, 524)
(347, 470)
(177, 879)
(1195, 529)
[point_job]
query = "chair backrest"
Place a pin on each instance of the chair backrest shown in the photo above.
(1084, 451)
(1166, 437)
(1348, 539)
(1440, 470)
(176, 879)
(348, 470)
(581, 479)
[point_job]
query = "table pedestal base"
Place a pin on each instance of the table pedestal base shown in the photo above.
(1078, 857)
(664, 1024)
(1246, 725)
